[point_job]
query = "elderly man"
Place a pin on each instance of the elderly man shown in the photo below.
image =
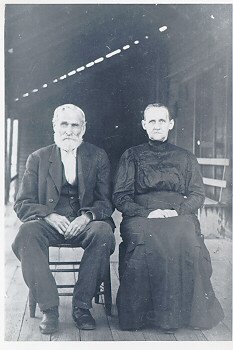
(65, 197)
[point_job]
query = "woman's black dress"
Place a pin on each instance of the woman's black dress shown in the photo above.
(166, 268)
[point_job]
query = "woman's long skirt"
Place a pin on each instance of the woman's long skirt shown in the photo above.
(165, 275)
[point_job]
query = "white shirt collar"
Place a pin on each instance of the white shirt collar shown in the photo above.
(66, 153)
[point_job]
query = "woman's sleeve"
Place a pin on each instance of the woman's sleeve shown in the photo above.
(124, 187)
(194, 191)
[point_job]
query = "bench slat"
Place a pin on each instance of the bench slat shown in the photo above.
(214, 182)
(209, 201)
(214, 161)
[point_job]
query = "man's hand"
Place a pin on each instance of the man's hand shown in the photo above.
(160, 214)
(77, 226)
(59, 222)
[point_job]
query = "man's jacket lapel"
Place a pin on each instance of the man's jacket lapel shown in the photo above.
(55, 168)
(83, 169)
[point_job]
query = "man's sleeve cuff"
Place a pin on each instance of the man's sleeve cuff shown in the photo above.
(89, 214)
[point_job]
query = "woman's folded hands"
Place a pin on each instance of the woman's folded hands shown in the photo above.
(162, 213)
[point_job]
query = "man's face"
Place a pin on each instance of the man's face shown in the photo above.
(157, 123)
(69, 130)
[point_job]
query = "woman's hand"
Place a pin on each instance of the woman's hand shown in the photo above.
(160, 214)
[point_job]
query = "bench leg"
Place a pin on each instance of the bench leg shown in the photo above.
(32, 304)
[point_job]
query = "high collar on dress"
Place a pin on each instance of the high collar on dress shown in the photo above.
(158, 145)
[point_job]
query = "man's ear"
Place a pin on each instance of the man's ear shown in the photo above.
(84, 128)
(171, 124)
(144, 124)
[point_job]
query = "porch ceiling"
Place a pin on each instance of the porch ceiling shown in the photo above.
(44, 42)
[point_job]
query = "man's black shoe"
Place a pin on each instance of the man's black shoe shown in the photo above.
(49, 323)
(83, 318)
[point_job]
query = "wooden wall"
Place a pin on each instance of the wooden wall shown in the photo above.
(199, 97)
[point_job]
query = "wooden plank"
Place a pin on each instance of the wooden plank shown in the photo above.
(67, 330)
(209, 201)
(102, 331)
(15, 303)
(187, 334)
(221, 255)
(153, 334)
(10, 271)
(30, 328)
(117, 333)
(220, 332)
(214, 182)
(12, 224)
(220, 252)
(214, 161)
(227, 321)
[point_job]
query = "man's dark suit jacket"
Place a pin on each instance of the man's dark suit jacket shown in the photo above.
(41, 184)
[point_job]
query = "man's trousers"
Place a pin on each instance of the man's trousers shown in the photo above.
(31, 246)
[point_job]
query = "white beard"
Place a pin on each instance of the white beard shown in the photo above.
(67, 144)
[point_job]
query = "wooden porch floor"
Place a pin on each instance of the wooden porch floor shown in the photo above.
(20, 327)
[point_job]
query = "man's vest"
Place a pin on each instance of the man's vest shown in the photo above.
(68, 204)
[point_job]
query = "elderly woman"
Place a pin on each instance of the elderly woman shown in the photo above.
(165, 269)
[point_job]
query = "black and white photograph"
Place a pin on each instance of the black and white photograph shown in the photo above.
(118, 173)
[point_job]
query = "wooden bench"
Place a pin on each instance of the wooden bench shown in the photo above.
(220, 183)
(213, 216)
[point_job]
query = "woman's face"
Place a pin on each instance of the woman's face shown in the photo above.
(157, 123)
